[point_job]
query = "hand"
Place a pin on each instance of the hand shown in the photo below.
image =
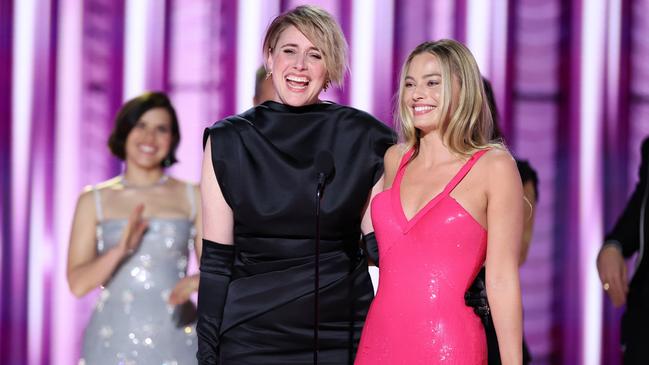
(183, 290)
(476, 297)
(132, 234)
(612, 271)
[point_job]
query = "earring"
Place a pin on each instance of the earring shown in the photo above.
(167, 161)
(269, 74)
(325, 86)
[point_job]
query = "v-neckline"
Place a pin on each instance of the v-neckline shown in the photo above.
(407, 224)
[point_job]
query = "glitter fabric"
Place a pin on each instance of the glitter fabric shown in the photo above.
(427, 264)
(132, 322)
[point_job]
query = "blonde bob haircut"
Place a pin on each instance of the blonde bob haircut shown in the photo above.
(321, 29)
(466, 127)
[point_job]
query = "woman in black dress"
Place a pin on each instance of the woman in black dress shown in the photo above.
(256, 294)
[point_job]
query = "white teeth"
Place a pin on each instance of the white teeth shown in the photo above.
(146, 149)
(423, 108)
(297, 79)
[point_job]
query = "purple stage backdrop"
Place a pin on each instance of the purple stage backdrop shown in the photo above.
(571, 79)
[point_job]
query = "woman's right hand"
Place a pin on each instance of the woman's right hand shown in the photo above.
(132, 234)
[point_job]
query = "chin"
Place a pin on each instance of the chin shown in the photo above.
(298, 101)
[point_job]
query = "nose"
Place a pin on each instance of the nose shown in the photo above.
(417, 94)
(149, 134)
(299, 61)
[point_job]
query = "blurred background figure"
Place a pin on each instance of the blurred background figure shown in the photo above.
(264, 89)
(627, 238)
(131, 237)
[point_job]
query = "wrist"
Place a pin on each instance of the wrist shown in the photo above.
(122, 251)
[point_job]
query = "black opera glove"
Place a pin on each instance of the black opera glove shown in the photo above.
(216, 269)
(476, 297)
(371, 247)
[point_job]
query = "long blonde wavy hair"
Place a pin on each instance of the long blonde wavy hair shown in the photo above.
(466, 127)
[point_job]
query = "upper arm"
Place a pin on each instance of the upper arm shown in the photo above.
(530, 212)
(198, 222)
(505, 213)
(217, 217)
(391, 164)
(83, 234)
(366, 221)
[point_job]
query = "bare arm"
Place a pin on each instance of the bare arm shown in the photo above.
(366, 222)
(86, 270)
(530, 214)
(183, 290)
(390, 163)
(218, 220)
(505, 214)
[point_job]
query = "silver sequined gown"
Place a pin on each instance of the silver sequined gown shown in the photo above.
(132, 322)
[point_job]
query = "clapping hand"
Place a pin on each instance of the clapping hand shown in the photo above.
(132, 234)
(183, 290)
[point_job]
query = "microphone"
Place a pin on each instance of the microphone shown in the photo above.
(324, 166)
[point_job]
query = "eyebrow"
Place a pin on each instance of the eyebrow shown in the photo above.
(313, 48)
(425, 76)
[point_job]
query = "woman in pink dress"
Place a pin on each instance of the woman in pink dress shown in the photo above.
(453, 200)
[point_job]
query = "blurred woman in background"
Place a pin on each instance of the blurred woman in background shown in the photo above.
(131, 237)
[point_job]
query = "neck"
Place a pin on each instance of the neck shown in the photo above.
(432, 149)
(143, 178)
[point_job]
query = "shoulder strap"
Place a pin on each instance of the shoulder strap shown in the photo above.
(192, 201)
(98, 208)
(464, 170)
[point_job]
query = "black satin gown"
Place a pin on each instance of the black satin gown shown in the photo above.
(264, 163)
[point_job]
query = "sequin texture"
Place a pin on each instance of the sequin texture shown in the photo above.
(427, 264)
(132, 322)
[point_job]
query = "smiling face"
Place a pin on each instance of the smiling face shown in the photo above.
(424, 94)
(149, 142)
(298, 69)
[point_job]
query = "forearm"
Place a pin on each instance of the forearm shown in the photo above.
(85, 277)
(506, 310)
(216, 268)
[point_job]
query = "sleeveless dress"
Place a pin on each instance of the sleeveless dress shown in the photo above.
(132, 322)
(427, 264)
(264, 163)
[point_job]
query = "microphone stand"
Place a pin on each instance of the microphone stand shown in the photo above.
(316, 302)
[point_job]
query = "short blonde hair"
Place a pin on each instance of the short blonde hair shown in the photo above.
(465, 127)
(321, 29)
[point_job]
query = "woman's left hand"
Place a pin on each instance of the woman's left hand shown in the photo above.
(183, 290)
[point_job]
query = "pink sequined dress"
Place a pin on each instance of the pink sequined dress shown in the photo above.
(427, 264)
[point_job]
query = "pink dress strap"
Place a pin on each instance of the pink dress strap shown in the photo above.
(402, 166)
(463, 171)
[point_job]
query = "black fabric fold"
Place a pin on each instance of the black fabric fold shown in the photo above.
(254, 295)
